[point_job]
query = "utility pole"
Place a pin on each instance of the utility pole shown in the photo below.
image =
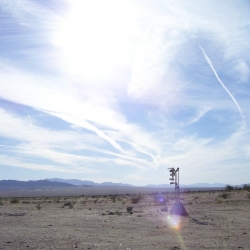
(174, 174)
(177, 207)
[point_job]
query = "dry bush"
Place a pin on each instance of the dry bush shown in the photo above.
(246, 187)
(217, 201)
(136, 199)
(38, 206)
(68, 203)
(229, 188)
(14, 200)
(224, 195)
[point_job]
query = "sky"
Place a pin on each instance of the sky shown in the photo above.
(123, 90)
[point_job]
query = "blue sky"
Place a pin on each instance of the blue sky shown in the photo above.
(122, 90)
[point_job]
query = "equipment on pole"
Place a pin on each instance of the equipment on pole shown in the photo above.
(177, 208)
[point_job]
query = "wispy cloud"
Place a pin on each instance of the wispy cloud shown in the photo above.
(123, 89)
(32, 129)
(223, 85)
(199, 115)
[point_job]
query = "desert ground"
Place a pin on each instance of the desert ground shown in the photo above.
(215, 221)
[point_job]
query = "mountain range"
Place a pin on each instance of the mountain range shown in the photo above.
(77, 182)
(56, 183)
(40, 184)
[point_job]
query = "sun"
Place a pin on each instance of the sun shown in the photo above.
(96, 37)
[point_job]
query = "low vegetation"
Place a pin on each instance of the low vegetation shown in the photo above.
(246, 187)
(136, 199)
(14, 200)
(224, 195)
(38, 206)
(229, 188)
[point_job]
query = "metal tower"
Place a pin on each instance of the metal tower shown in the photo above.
(177, 207)
(174, 174)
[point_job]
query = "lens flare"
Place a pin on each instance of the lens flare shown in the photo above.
(177, 223)
(174, 222)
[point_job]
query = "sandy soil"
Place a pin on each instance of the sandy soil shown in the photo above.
(213, 223)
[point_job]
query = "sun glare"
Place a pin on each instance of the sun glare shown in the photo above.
(96, 37)
(174, 222)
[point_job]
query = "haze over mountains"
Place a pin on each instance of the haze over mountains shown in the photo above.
(40, 184)
(77, 182)
(57, 183)
(91, 183)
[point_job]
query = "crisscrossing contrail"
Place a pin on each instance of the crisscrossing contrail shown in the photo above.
(31, 124)
(222, 84)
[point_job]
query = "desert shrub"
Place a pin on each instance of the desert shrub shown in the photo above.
(136, 199)
(68, 203)
(224, 195)
(246, 187)
(217, 201)
(1, 203)
(229, 187)
(129, 209)
(71, 206)
(95, 200)
(38, 206)
(14, 200)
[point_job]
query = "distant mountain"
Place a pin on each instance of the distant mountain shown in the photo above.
(88, 183)
(206, 185)
(115, 184)
(77, 182)
(21, 185)
(61, 183)
(159, 186)
(195, 185)
(74, 182)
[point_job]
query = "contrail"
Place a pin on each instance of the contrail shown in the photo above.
(31, 124)
(212, 67)
(55, 152)
(87, 125)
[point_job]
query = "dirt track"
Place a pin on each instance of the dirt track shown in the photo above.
(213, 223)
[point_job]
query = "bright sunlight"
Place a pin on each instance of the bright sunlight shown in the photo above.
(96, 37)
